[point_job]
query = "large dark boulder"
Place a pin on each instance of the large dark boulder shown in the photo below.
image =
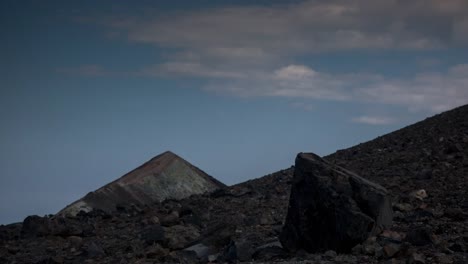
(35, 226)
(331, 208)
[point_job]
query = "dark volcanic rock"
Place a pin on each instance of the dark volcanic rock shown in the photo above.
(332, 208)
(153, 234)
(419, 236)
(35, 226)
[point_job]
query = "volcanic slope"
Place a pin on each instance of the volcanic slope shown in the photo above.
(431, 155)
(166, 176)
(242, 222)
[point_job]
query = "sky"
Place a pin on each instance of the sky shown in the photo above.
(90, 90)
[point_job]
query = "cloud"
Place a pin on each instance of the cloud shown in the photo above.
(193, 69)
(433, 92)
(251, 51)
(293, 72)
(373, 120)
(303, 27)
(460, 70)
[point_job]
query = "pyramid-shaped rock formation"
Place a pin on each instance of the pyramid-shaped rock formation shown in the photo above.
(166, 176)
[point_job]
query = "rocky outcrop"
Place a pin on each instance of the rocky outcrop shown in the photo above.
(166, 176)
(331, 208)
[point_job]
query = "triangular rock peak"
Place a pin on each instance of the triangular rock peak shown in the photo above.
(166, 176)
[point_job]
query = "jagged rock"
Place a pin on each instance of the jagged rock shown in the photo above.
(34, 226)
(179, 237)
(391, 249)
(60, 226)
(332, 208)
(201, 251)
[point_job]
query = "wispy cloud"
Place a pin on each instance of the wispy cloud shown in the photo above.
(303, 106)
(242, 50)
(374, 120)
(85, 70)
(193, 69)
(432, 92)
(304, 27)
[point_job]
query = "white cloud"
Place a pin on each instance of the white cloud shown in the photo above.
(294, 72)
(432, 92)
(373, 120)
(249, 51)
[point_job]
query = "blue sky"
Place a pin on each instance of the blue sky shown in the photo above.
(90, 91)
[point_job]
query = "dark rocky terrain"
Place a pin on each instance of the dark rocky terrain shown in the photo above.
(424, 167)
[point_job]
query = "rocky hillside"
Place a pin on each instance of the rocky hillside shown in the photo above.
(424, 167)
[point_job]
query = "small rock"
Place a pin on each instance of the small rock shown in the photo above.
(403, 207)
(178, 236)
(398, 215)
(75, 241)
(155, 251)
(458, 246)
(392, 235)
(200, 250)
(444, 259)
(370, 246)
(456, 214)
(170, 219)
(212, 258)
(230, 253)
(357, 250)
(391, 249)
(330, 254)
(155, 220)
(419, 194)
(56, 260)
(266, 219)
(95, 251)
(419, 236)
(153, 234)
(184, 257)
(416, 258)
(270, 253)
(244, 250)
